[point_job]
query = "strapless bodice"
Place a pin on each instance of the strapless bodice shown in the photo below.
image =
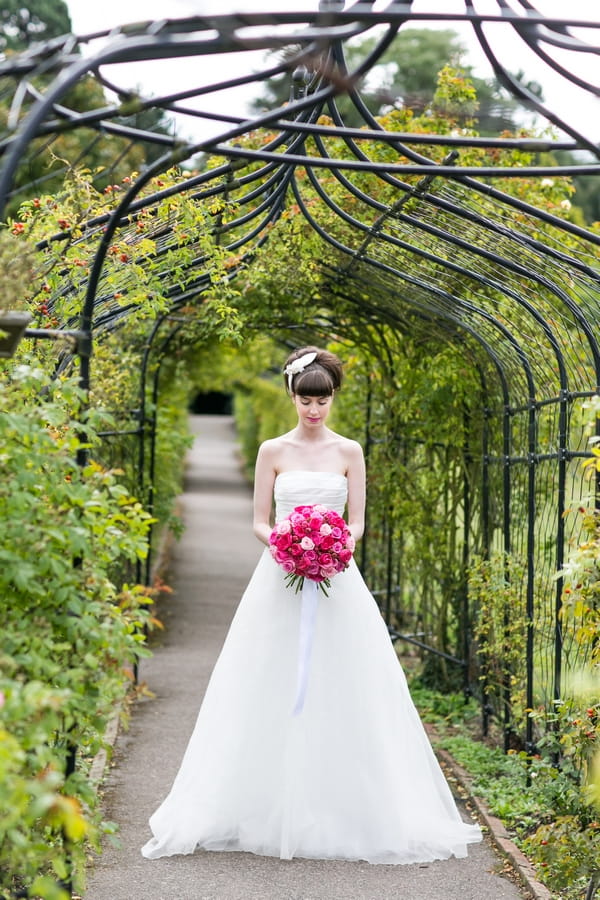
(298, 487)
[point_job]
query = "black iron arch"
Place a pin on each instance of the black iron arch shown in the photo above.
(510, 298)
(359, 256)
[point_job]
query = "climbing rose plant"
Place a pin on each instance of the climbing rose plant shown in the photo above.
(70, 632)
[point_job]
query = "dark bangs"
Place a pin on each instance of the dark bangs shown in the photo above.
(315, 381)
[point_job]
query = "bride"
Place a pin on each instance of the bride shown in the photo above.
(347, 773)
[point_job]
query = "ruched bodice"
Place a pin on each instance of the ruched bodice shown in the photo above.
(298, 487)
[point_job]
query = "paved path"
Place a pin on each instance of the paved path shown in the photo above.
(208, 585)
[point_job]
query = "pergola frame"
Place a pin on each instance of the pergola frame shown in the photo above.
(450, 226)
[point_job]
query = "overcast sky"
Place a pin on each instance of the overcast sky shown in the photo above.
(580, 108)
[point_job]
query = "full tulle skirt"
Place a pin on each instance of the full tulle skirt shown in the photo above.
(353, 776)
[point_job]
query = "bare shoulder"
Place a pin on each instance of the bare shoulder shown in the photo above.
(272, 445)
(351, 452)
(270, 450)
(267, 450)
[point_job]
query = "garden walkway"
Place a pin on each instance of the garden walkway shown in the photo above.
(208, 583)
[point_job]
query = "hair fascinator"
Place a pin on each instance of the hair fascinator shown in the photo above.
(297, 366)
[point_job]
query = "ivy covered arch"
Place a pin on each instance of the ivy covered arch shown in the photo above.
(453, 269)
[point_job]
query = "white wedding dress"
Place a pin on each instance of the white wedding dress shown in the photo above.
(351, 777)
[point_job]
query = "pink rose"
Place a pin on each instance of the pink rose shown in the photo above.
(313, 542)
(283, 541)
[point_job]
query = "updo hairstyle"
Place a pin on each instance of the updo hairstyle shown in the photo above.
(320, 378)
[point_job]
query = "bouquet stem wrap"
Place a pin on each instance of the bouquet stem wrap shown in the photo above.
(312, 545)
(308, 618)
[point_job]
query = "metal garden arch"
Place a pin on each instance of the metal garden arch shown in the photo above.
(529, 304)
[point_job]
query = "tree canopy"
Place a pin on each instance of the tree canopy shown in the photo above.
(23, 23)
(406, 77)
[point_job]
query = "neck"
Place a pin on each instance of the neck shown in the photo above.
(314, 435)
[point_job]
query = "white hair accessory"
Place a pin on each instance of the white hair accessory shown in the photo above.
(297, 366)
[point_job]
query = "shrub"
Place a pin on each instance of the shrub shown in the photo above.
(566, 853)
(70, 635)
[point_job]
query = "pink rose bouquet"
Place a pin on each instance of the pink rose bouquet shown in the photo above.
(312, 542)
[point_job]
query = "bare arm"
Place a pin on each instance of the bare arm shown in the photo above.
(356, 490)
(264, 479)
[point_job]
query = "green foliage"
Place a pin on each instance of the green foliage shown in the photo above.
(37, 813)
(411, 398)
(543, 808)
(542, 805)
(24, 23)
(571, 735)
(455, 95)
(581, 595)
(566, 848)
(566, 854)
(69, 634)
(412, 64)
(169, 240)
(442, 708)
(162, 248)
(17, 265)
(172, 441)
(546, 801)
(49, 163)
(415, 482)
(499, 629)
(523, 791)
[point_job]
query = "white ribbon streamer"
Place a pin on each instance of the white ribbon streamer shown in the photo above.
(308, 618)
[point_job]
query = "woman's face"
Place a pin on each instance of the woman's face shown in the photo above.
(312, 411)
